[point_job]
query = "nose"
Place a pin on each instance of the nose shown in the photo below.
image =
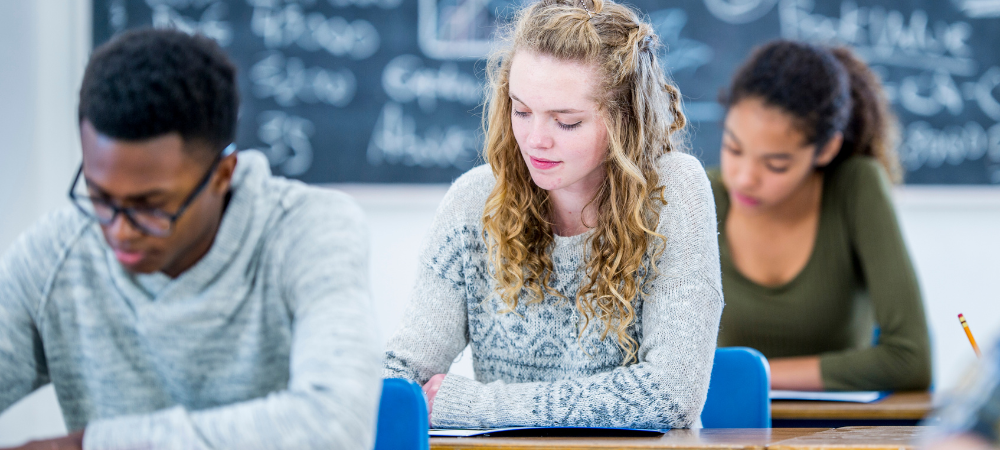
(539, 137)
(121, 230)
(747, 176)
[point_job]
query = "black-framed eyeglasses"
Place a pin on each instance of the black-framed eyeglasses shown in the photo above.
(150, 221)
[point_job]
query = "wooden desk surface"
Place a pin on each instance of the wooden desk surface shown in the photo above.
(716, 438)
(848, 438)
(854, 438)
(897, 406)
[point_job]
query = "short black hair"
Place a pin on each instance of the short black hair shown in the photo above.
(148, 82)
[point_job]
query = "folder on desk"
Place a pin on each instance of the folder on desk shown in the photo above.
(830, 396)
(545, 432)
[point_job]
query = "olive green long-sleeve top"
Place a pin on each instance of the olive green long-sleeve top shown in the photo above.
(858, 277)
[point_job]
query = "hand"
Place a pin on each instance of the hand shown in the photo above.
(431, 388)
(73, 441)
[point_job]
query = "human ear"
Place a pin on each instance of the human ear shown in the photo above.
(224, 174)
(829, 150)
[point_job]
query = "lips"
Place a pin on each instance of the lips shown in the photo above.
(129, 258)
(744, 199)
(543, 164)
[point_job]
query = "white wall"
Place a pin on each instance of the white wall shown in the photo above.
(43, 49)
(952, 232)
(954, 239)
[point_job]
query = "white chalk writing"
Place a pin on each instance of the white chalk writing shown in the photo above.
(883, 36)
(282, 27)
(681, 53)
(288, 81)
(979, 9)
(406, 79)
(739, 11)
(211, 22)
(287, 136)
(395, 141)
(925, 146)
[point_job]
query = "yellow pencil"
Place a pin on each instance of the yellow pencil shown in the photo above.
(968, 333)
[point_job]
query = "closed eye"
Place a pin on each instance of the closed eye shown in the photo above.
(569, 126)
(776, 169)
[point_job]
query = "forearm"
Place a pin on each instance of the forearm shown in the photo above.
(797, 374)
(434, 329)
(889, 366)
(640, 396)
(290, 419)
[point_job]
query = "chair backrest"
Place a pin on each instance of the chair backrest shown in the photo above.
(739, 391)
(402, 417)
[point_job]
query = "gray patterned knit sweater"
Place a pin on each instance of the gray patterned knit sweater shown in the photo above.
(531, 369)
(267, 342)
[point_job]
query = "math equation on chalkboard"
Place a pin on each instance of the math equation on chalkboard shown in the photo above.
(391, 91)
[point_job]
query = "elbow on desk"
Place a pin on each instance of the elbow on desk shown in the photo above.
(916, 374)
(328, 422)
(910, 371)
(887, 368)
(674, 411)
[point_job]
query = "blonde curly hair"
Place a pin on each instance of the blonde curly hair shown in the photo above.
(642, 112)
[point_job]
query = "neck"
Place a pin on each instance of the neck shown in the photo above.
(573, 211)
(200, 247)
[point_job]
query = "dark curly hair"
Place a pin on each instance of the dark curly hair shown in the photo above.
(825, 91)
(148, 82)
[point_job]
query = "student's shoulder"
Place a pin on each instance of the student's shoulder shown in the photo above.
(683, 176)
(293, 206)
(858, 176)
(42, 248)
(465, 200)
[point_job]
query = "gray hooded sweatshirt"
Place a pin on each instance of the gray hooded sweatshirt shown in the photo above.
(266, 342)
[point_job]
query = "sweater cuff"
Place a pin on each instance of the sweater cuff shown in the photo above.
(139, 432)
(455, 403)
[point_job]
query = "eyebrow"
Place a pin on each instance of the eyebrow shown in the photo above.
(132, 198)
(732, 136)
(557, 111)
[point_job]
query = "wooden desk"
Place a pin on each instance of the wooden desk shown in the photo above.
(901, 408)
(718, 438)
(854, 438)
(850, 438)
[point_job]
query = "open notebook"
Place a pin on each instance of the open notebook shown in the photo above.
(847, 396)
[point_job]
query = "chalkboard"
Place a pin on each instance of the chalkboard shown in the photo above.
(388, 91)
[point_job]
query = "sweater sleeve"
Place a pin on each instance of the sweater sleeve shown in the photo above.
(24, 270)
(434, 327)
(902, 358)
(332, 396)
(680, 319)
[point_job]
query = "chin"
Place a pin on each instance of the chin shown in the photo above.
(142, 268)
(545, 183)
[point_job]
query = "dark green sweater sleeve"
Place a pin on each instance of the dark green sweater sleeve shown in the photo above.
(901, 360)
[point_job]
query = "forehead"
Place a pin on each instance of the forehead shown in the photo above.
(122, 167)
(544, 82)
(757, 126)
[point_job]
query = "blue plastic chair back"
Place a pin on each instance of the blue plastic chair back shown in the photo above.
(402, 417)
(739, 391)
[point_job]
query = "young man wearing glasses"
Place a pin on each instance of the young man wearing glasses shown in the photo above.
(188, 299)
